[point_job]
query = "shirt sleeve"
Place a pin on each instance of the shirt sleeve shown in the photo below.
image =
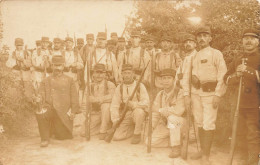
(222, 70)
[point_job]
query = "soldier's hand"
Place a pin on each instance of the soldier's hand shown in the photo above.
(132, 104)
(187, 102)
(216, 100)
(240, 69)
(164, 112)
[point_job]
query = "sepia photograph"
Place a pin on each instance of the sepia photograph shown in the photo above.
(129, 82)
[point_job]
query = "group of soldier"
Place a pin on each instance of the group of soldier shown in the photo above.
(106, 74)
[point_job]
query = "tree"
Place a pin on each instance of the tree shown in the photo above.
(227, 19)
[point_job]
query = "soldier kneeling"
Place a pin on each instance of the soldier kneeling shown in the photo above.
(167, 117)
(57, 104)
(101, 93)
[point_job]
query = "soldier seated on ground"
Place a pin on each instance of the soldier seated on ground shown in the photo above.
(136, 107)
(167, 117)
(101, 93)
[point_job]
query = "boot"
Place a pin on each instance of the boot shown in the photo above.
(207, 142)
(136, 139)
(44, 143)
(198, 155)
(176, 151)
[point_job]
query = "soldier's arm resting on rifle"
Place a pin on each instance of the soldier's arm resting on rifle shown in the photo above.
(248, 72)
(115, 104)
(144, 99)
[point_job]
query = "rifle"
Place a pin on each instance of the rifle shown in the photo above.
(111, 132)
(88, 103)
(184, 151)
(235, 121)
(150, 129)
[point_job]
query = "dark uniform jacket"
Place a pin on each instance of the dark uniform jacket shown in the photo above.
(60, 94)
(250, 84)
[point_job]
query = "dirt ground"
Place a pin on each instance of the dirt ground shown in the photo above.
(26, 151)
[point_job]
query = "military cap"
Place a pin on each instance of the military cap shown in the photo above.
(121, 39)
(113, 34)
(58, 59)
(80, 40)
(57, 40)
(189, 37)
(168, 72)
(45, 39)
(68, 39)
(203, 29)
(18, 42)
(135, 33)
(127, 67)
(149, 38)
(102, 35)
(111, 42)
(38, 42)
(166, 38)
(99, 67)
(251, 32)
(90, 36)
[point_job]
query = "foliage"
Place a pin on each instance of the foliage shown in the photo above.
(227, 19)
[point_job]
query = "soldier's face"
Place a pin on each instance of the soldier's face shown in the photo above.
(165, 45)
(149, 44)
(19, 47)
(189, 45)
(121, 45)
(57, 68)
(250, 43)
(101, 43)
(128, 76)
(135, 41)
(80, 45)
(57, 45)
(45, 44)
(69, 45)
(90, 41)
(98, 76)
(203, 39)
(167, 81)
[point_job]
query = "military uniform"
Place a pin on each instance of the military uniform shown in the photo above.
(209, 68)
(73, 63)
(100, 112)
(59, 101)
(249, 101)
(167, 119)
(165, 60)
(137, 57)
(103, 56)
(135, 114)
(20, 62)
(41, 62)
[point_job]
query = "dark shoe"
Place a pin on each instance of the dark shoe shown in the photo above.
(196, 156)
(44, 143)
(102, 136)
(207, 142)
(176, 152)
(136, 139)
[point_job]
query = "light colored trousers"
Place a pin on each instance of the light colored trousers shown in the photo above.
(132, 123)
(204, 114)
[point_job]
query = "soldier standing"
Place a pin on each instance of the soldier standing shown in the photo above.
(38, 44)
(86, 49)
(57, 50)
(150, 42)
(58, 100)
(114, 37)
(101, 96)
(80, 44)
(167, 119)
(167, 58)
(73, 62)
(136, 56)
(136, 110)
(101, 55)
(20, 62)
(249, 101)
(208, 70)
